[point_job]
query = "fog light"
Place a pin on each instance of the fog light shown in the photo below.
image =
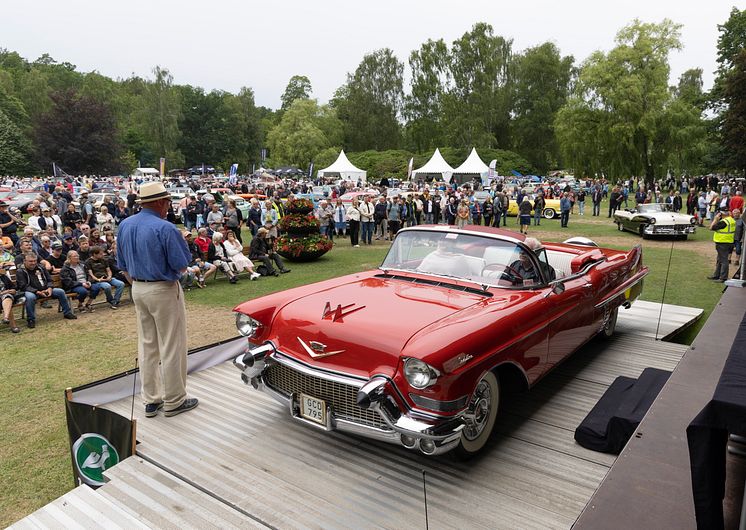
(427, 447)
(408, 441)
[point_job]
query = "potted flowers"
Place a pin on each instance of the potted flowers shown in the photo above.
(300, 239)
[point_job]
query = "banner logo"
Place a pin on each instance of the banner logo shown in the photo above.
(94, 454)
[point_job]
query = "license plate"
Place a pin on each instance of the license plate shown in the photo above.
(313, 409)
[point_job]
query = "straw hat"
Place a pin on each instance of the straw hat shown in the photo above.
(152, 191)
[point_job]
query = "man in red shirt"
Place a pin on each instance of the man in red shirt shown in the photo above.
(203, 241)
(736, 202)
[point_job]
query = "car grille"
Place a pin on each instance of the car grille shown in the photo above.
(341, 397)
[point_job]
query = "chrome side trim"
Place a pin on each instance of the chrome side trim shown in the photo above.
(443, 406)
(637, 278)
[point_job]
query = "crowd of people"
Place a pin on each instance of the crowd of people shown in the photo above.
(78, 243)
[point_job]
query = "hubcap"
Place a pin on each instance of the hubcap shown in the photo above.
(479, 411)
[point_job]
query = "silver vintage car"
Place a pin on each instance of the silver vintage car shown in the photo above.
(655, 219)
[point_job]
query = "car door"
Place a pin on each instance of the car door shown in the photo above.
(571, 316)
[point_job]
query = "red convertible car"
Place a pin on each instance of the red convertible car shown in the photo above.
(416, 352)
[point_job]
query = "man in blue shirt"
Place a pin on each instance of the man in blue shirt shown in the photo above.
(153, 255)
(565, 207)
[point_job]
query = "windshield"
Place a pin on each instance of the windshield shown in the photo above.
(652, 208)
(479, 259)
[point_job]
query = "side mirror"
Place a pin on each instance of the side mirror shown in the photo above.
(558, 287)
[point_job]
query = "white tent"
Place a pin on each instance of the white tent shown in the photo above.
(150, 172)
(435, 166)
(472, 167)
(343, 168)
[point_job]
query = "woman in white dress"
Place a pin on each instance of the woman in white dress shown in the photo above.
(234, 250)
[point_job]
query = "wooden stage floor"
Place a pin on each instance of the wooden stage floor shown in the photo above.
(239, 461)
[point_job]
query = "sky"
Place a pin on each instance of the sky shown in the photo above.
(228, 44)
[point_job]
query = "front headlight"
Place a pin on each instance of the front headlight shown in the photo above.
(693, 220)
(651, 220)
(419, 374)
(246, 325)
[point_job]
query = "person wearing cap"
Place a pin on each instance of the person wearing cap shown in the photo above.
(86, 210)
(56, 257)
(153, 255)
(724, 228)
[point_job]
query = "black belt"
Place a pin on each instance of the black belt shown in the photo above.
(149, 281)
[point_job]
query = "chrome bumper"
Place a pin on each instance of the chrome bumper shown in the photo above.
(432, 436)
(668, 230)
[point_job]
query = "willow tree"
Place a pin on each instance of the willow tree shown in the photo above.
(619, 108)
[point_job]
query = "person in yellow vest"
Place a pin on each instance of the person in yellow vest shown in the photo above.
(724, 227)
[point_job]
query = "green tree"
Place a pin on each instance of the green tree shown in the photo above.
(612, 122)
(476, 110)
(733, 127)
(162, 108)
(423, 106)
(304, 130)
(370, 101)
(78, 133)
(15, 149)
(541, 87)
(299, 87)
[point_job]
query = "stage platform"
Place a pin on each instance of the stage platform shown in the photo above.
(239, 461)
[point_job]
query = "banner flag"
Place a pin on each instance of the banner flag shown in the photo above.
(515, 173)
(99, 439)
(310, 170)
(409, 168)
(233, 174)
(163, 167)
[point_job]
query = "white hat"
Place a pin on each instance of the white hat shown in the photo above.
(152, 191)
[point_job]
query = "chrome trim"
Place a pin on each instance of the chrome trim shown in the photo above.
(336, 377)
(451, 229)
(443, 406)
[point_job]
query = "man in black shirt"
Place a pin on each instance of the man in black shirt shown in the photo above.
(57, 258)
(35, 282)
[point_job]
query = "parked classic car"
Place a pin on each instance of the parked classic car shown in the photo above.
(655, 219)
(551, 208)
(416, 352)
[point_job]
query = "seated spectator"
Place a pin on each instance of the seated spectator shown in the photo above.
(199, 267)
(28, 233)
(56, 258)
(74, 280)
(33, 219)
(261, 250)
(71, 218)
(25, 247)
(104, 217)
(234, 251)
(68, 243)
(101, 277)
(6, 242)
(8, 298)
(35, 282)
(203, 241)
(46, 247)
(217, 256)
(48, 221)
(84, 248)
(7, 259)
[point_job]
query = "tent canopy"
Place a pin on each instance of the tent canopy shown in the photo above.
(344, 168)
(435, 166)
(473, 165)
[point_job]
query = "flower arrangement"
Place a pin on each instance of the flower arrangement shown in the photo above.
(303, 248)
(300, 239)
(294, 221)
(299, 206)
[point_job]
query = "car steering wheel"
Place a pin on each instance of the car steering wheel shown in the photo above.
(508, 273)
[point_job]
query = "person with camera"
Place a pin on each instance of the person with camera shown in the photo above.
(724, 227)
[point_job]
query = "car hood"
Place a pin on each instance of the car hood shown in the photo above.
(362, 326)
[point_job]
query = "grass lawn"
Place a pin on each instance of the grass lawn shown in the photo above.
(37, 365)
